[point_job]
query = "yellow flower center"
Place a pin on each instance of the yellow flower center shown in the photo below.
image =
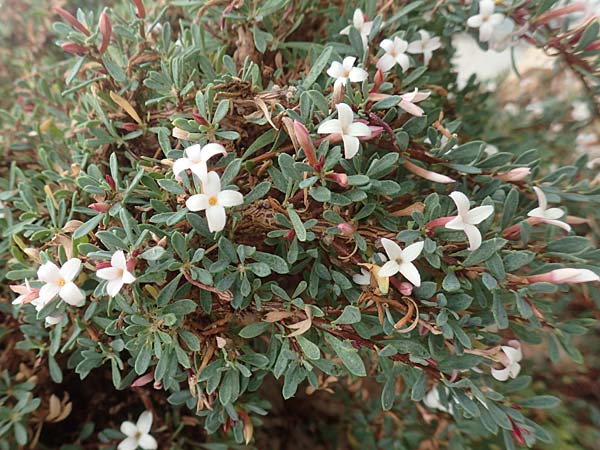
(212, 201)
(61, 282)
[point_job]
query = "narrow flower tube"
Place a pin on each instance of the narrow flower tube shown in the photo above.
(73, 48)
(305, 142)
(66, 15)
(105, 29)
(427, 174)
(141, 11)
(515, 174)
(564, 276)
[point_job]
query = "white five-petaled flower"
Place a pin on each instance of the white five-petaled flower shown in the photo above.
(425, 45)
(548, 215)
(117, 274)
(138, 434)
(60, 282)
(345, 70)
(345, 127)
(401, 260)
(408, 100)
(214, 201)
(510, 359)
(363, 27)
(486, 20)
(196, 158)
(467, 218)
(394, 54)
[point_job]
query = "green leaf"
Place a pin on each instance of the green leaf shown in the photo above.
(317, 67)
(254, 329)
(350, 315)
(348, 354)
(541, 402)
(297, 224)
(88, 226)
(310, 349)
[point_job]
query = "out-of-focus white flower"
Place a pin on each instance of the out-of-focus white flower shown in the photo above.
(394, 54)
(408, 100)
(345, 127)
(345, 70)
(60, 282)
(138, 434)
(196, 158)
(426, 45)
(565, 276)
(363, 27)
(547, 215)
(467, 218)
(401, 260)
(486, 20)
(490, 149)
(536, 109)
(117, 274)
(511, 355)
(432, 400)
(580, 111)
(214, 201)
(502, 35)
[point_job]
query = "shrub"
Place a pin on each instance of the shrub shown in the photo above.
(206, 199)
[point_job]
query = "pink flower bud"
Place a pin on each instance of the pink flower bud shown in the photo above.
(339, 178)
(515, 174)
(566, 276)
(378, 79)
(106, 30)
(100, 207)
(111, 182)
(405, 288)
(305, 142)
(141, 11)
(102, 265)
(439, 222)
(427, 174)
(346, 229)
(376, 96)
(131, 262)
(130, 126)
(289, 236)
(73, 48)
(66, 15)
(143, 380)
(200, 120)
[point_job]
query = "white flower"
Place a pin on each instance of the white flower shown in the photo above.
(27, 294)
(432, 400)
(117, 274)
(486, 20)
(512, 356)
(364, 277)
(138, 434)
(401, 261)
(345, 70)
(581, 111)
(548, 215)
(408, 100)
(196, 158)
(467, 218)
(394, 54)
(358, 22)
(502, 35)
(345, 127)
(60, 282)
(214, 201)
(53, 320)
(425, 45)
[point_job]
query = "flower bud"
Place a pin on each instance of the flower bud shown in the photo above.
(141, 11)
(130, 126)
(143, 380)
(339, 178)
(405, 288)
(427, 174)
(515, 174)
(106, 30)
(305, 142)
(346, 229)
(200, 120)
(564, 276)
(73, 48)
(111, 182)
(289, 236)
(66, 15)
(178, 133)
(100, 207)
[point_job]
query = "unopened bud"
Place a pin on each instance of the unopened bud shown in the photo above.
(405, 288)
(178, 133)
(141, 11)
(130, 126)
(111, 182)
(290, 235)
(339, 178)
(66, 15)
(106, 31)
(346, 229)
(73, 48)
(305, 142)
(100, 207)
(200, 120)
(515, 174)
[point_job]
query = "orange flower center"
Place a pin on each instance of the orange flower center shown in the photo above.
(61, 282)
(212, 201)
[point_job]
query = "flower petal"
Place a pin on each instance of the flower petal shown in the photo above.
(475, 21)
(485, 31)
(351, 145)
(553, 213)
(128, 277)
(455, 224)
(386, 62)
(473, 235)
(109, 273)
(358, 75)
(47, 293)
(558, 223)
(415, 47)
(49, 273)
(358, 129)
(513, 354)
(413, 251)
(331, 126)
(345, 115)
(128, 428)
(389, 269)
(118, 260)
(212, 184)
(486, 7)
(210, 150)
(70, 269)
(403, 60)
(542, 202)
(72, 295)
(411, 108)
(392, 249)
(501, 374)
(130, 443)
(348, 62)
(536, 212)
(358, 19)
(144, 422)
(387, 45)
(197, 202)
(147, 442)
(410, 272)
(182, 164)
(230, 198)
(193, 152)
(462, 203)
(114, 286)
(216, 218)
(479, 214)
(335, 70)
(363, 278)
